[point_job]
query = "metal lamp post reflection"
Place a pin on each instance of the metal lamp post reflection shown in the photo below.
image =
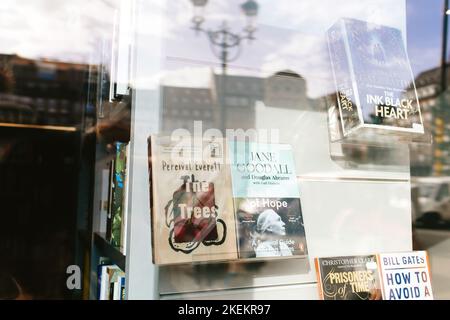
(225, 44)
(222, 40)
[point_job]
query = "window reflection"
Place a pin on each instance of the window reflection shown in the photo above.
(48, 84)
(57, 101)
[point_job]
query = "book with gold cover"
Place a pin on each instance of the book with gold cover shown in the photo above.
(348, 278)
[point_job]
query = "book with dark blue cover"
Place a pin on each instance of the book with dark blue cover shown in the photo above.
(374, 82)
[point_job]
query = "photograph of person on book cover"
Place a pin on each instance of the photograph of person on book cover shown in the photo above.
(267, 242)
(266, 230)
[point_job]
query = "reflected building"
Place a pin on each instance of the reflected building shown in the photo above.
(181, 106)
(237, 97)
(42, 92)
(432, 159)
(231, 101)
(43, 107)
(287, 89)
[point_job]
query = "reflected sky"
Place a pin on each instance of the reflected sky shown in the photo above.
(289, 35)
(61, 30)
(424, 34)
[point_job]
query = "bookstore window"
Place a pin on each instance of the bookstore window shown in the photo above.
(215, 149)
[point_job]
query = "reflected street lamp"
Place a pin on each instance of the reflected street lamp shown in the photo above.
(223, 40)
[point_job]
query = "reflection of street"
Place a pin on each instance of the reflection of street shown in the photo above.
(437, 244)
(430, 198)
(432, 225)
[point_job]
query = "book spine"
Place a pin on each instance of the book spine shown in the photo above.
(111, 290)
(104, 204)
(117, 290)
(104, 281)
(117, 206)
(319, 278)
(99, 280)
(123, 235)
(110, 200)
(122, 288)
(340, 63)
(151, 155)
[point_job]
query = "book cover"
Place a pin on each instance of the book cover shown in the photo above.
(373, 77)
(348, 278)
(192, 209)
(405, 276)
(267, 205)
